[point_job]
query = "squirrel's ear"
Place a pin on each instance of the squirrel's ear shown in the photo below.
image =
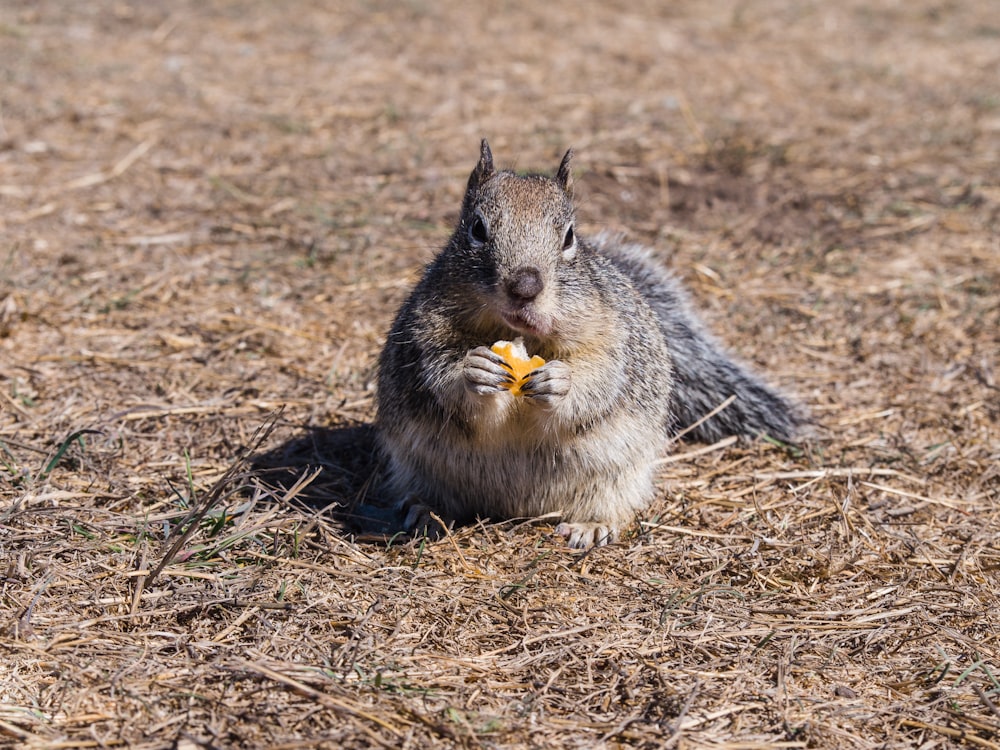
(563, 175)
(484, 169)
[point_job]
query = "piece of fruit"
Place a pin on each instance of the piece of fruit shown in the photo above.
(517, 362)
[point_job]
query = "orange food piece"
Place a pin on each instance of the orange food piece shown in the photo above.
(517, 362)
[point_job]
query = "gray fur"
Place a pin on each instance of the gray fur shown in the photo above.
(704, 374)
(626, 363)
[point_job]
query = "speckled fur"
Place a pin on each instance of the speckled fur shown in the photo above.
(705, 375)
(626, 361)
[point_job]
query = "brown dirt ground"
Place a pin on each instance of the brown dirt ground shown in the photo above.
(211, 209)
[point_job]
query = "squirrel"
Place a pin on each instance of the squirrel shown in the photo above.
(627, 364)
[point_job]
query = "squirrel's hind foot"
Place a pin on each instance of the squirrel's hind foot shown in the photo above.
(583, 535)
(421, 521)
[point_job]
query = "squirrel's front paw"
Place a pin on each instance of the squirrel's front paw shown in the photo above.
(548, 383)
(484, 371)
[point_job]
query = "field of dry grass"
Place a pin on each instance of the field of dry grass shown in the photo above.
(208, 214)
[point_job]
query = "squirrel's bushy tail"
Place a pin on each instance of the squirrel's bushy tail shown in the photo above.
(705, 375)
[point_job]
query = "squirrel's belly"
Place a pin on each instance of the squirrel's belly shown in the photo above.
(502, 483)
(585, 478)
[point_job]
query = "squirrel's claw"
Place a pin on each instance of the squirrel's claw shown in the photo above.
(484, 371)
(548, 383)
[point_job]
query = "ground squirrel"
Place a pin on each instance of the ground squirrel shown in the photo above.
(627, 364)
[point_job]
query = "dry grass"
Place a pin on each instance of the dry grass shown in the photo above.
(210, 211)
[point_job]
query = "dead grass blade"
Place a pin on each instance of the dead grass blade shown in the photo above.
(224, 486)
(324, 699)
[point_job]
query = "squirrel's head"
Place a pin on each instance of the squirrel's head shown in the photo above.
(514, 238)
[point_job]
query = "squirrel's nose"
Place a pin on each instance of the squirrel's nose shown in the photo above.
(525, 283)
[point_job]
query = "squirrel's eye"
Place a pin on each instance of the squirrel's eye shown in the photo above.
(477, 230)
(569, 239)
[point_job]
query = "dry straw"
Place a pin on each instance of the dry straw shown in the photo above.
(209, 212)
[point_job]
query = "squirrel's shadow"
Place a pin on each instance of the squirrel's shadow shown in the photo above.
(346, 486)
